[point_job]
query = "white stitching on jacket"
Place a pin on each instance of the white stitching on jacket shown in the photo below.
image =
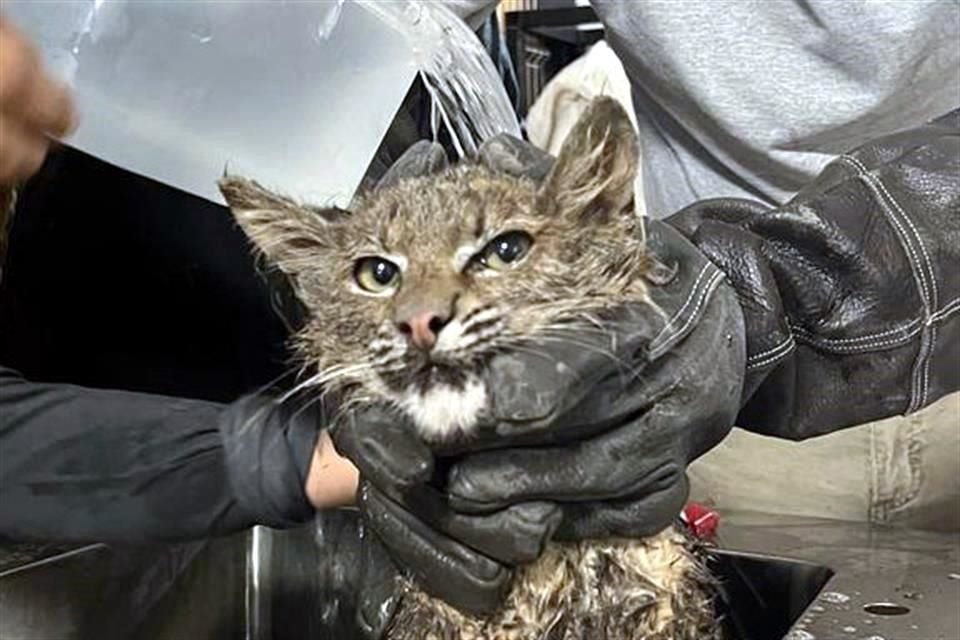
(708, 288)
(933, 285)
(946, 311)
(683, 307)
(763, 354)
(890, 208)
(864, 338)
(837, 346)
(811, 340)
(786, 347)
(874, 185)
(916, 234)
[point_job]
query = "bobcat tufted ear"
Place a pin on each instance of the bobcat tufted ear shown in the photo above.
(288, 234)
(595, 170)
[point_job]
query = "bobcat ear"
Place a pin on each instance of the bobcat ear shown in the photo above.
(597, 165)
(288, 234)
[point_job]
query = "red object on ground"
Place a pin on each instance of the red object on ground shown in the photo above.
(702, 521)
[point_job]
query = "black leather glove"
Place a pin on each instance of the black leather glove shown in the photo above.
(606, 438)
(464, 558)
(268, 443)
(851, 290)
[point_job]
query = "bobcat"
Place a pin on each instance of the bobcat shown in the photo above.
(410, 293)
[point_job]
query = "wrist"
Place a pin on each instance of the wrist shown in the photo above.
(331, 479)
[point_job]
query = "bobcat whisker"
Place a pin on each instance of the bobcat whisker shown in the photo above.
(326, 376)
(480, 325)
(475, 312)
(563, 338)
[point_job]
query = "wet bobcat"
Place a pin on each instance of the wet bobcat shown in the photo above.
(412, 290)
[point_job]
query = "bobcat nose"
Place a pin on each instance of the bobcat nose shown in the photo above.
(422, 329)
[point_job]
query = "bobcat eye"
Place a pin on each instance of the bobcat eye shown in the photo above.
(505, 250)
(376, 275)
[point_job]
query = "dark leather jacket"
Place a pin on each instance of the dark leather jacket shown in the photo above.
(851, 290)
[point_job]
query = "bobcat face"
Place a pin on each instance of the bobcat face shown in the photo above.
(412, 291)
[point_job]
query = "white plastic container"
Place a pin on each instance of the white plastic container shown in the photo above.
(295, 94)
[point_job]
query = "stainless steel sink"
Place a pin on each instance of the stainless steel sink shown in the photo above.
(97, 592)
(784, 577)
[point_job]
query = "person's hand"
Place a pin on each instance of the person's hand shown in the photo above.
(466, 559)
(605, 426)
(597, 446)
(332, 480)
(850, 289)
(33, 108)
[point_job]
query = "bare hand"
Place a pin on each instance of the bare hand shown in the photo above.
(332, 479)
(33, 107)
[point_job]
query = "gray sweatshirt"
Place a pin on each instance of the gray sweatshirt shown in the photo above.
(752, 98)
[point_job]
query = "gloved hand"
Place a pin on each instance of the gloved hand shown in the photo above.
(464, 558)
(613, 435)
(850, 290)
(606, 438)
(271, 445)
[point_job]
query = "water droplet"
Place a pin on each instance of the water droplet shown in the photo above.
(199, 27)
(835, 597)
(799, 634)
(953, 576)
(330, 20)
(875, 638)
(817, 608)
(413, 12)
(849, 629)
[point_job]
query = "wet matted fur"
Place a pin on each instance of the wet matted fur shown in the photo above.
(651, 589)
(499, 260)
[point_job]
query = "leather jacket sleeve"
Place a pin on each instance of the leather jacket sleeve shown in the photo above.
(850, 290)
(95, 465)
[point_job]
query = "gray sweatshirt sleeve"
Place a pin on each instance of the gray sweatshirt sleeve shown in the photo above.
(753, 98)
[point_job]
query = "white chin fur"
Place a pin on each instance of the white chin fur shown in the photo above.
(442, 411)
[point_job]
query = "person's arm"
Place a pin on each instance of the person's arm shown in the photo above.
(851, 290)
(103, 465)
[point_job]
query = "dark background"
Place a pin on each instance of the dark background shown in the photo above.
(113, 280)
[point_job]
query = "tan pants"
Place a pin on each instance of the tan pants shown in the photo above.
(903, 470)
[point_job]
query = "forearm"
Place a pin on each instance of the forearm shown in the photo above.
(95, 465)
(850, 291)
